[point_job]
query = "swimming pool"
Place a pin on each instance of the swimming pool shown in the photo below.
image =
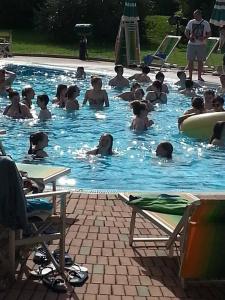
(195, 166)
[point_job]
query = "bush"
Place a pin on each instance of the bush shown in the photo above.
(157, 27)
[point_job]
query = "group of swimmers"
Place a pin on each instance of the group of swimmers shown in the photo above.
(66, 97)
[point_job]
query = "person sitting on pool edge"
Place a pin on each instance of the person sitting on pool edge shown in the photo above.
(165, 150)
(104, 146)
(17, 110)
(142, 77)
(119, 81)
(38, 141)
(160, 76)
(6, 80)
(218, 136)
(129, 96)
(72, 103)
(96, 97)
(189, 90)
(156, 95)
(217, 104)
(140, 121)
(42, 102)
(60, 98)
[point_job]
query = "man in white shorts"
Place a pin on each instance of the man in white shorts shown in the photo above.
(197, 31)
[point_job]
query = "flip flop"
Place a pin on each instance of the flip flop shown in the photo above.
(68, 258)
(77, 268)
(40, 256)
(43, 271)
(56, 284)
(77, 278)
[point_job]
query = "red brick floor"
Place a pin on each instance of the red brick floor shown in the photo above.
(98, 238)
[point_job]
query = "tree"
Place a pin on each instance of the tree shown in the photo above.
(58, 17)
(17, 13)
(188, 6)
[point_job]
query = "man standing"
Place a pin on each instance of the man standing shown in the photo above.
(197, 31)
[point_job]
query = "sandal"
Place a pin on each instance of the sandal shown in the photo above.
(56, 284)
(68, 258)
(77, 278)
(77, 268)
(43, 271)
(40, 256)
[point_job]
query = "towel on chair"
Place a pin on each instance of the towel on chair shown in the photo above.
(12, 199)
(162, 203)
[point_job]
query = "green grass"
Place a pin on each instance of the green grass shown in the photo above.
(28, 42)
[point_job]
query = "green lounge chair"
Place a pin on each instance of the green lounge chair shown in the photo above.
(199, 233)
(164, 50)
(5, 43)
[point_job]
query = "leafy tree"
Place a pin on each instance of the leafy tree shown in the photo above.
(166, 7)
(58, 17)
(17, 13)
(188, 6)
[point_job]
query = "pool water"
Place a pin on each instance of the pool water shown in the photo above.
(195, 165)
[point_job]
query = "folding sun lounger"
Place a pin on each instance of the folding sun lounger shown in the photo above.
(14, 221)
(5, 43)
(164, 50)
(200, 232)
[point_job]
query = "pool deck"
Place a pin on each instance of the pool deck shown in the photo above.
(97, 67)
(97, 236)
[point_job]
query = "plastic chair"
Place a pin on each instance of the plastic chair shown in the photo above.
(164, 50)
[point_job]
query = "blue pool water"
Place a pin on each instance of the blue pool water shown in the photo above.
(195, 166)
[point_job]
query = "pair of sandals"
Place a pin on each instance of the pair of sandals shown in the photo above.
(76, 276)
(41, 257)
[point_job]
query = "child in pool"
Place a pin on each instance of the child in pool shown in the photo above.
(209, 96)
(197, 108)
(164, 149)
(42, 102)
(140, 121)
(80, 74)
(217, 104)
(71, 102)
(156, 95)
(104, 146)
(142, 77)
(60, 99)
(129, 96)
(17, 110)
(119, 81)
(188, 91)
(27, 95)
(160, 76)
(38, 141)
(97, 97)
(218, 137)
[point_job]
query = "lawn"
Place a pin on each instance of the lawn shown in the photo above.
(28, 42)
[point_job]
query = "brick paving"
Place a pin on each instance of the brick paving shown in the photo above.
(97, 236)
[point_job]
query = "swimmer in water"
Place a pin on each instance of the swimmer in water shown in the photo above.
(142, 77)
(42, 102)
(119, 81)
(38, 141)
(6, 80)
(60, 99)
(164, 149)
(71, 102)
(140, 121)
(27, 96)
(218, 137)
(104, 146)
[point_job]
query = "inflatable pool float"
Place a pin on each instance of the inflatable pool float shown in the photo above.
(201, 126)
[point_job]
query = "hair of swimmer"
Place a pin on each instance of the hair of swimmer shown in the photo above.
(138, 107)
(59, 90)
(108, 135)
(166, 150)
(35, 138)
